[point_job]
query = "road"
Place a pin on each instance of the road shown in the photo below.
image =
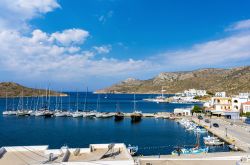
(237, 132)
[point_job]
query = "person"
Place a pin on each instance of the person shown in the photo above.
(179, 151)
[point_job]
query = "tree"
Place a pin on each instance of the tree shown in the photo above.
(196, 109)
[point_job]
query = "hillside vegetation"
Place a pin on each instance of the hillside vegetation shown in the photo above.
(15, 90)
(232, 81)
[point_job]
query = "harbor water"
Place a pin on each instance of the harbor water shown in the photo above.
(152, 136)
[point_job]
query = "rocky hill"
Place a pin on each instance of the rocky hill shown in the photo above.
(211, 79)
(15, 90)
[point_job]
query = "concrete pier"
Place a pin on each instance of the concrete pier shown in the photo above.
(232, 134)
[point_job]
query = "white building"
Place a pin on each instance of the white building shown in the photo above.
(220, 94)
(183, 111)
(246, 107)
(194, 92)
(237, 102)
(244, 95)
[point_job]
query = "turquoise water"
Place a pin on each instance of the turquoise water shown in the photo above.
(153, 136)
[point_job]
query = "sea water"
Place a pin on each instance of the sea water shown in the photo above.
(152, 136)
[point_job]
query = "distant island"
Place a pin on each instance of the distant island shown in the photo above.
(12, 89)
(232, 81)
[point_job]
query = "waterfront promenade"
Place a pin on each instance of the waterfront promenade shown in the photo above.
(233, 133)
(198, 159)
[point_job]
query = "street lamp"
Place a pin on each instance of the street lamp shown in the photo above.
(226, 131)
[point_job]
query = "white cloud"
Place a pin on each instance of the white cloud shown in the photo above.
(104, 49)
(60, 56)
(228, 51)
(105, 17)
(14, 14)
(240, 25)
(70, 36)
(38, 56)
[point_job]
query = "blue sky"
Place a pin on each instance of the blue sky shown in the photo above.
(95, 43)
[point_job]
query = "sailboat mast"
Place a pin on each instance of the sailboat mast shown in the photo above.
(134, 102)
(97, 102)
(69, 103)
(22, 100)
(85, 100)
(161, 92)
(13, 107)
(61, 102)
(77, 101)
(48, 98)
(6, 102)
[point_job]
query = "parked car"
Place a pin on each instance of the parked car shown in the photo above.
(200, 117)
(207, 120)
(247, 120)
(216, 125)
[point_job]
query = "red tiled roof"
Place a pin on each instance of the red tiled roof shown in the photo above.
(247, 103)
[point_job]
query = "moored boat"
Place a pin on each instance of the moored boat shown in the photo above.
(207, 138)
(132, 150)
(48, 114)
(77, 114)
(233, 147)
(119, 116)
(90, 114)
(136, 116)
(184, 151)
(23, 113)
(39, 113)
(60, 114)
(215, 142)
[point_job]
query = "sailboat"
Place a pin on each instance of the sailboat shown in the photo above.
(97, 113)
(48, 113)
(59, 113)
(39, 112)
(119, 115)
(85, 112)
(77, 114)
(7, 111)
(136, 115)
(22, 112)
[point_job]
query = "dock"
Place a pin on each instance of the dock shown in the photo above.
(223, 132)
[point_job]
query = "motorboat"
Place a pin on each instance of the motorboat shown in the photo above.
(132, 150)
(215, 142)
(233, 147)
(207, 138)
(195, 150)
(9, 112)
(200, 129)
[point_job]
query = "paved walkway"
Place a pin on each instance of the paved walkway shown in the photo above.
(233, 134)
(220, 158)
